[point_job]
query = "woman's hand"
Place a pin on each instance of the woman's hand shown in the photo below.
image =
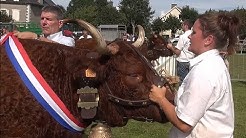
(169, 46)
(157, 94)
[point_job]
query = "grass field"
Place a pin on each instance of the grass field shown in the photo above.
(136, 129)
(238, 66)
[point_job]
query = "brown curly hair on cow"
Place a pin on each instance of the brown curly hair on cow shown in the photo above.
(130, 79)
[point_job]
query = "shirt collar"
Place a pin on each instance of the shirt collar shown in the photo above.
(52, 36)
(202, 56)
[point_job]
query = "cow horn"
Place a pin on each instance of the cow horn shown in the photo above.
(141, 36)
(93, 31)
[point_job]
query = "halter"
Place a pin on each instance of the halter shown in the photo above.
(136, 103)
(159, 81)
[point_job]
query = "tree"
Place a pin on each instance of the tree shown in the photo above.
(107, 14)
(172, 23)
(87, 13)
(95, 12)
(189, 13)
(136, 12)
(4, 17)
(74, 5)
(158, 25)
(241, 13)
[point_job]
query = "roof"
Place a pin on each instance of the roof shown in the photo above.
(50, 2)
(33, 2)
(173, 8)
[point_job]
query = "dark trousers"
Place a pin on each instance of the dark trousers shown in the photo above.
(182, 70)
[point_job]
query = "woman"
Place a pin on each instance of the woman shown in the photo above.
(204, 103)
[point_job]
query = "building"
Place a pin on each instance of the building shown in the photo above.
(111, 32)
(175, 11)
(24, 10)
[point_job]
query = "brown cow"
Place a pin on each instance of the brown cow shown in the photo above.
(154, 47)
(60, 66)
(123, 82)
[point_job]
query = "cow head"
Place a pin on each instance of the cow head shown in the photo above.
(125, 82)
(155, 47)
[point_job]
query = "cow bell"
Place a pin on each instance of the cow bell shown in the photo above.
(100, 131)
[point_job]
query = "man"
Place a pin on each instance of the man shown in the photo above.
(51, 24)
(182, 52)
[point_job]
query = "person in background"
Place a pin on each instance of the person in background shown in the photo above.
(182, 52)
(85, 35)
(4, 31)
(125, 37)
(204, 105)
(51, 24)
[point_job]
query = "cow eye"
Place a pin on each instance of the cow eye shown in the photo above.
(132, 75)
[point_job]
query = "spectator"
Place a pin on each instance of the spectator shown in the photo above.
(4, 31)
(125, 37)
(51, 24)
(182, 52)
(85, 35)
(204, 103)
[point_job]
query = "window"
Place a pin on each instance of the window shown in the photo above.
(16, 14)
(16, 0)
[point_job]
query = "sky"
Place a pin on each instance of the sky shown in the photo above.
(163, 6)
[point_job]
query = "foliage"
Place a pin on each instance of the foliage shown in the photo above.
(188, 13)
(158, 25)
(96, 12)
(107, 14)
(4, 17)
(241, 13)
(172, 23)
(136, 12)
(87, 13)
(79, 7)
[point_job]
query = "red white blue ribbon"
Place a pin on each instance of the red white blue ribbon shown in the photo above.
(38, 86)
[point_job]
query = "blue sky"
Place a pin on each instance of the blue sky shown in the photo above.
(200, 5)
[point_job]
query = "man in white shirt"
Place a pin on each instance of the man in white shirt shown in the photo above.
(51, 24)
(182, 52)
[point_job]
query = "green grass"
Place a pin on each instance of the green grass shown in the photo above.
(237, 66)
(136, 129)
(239, 94)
